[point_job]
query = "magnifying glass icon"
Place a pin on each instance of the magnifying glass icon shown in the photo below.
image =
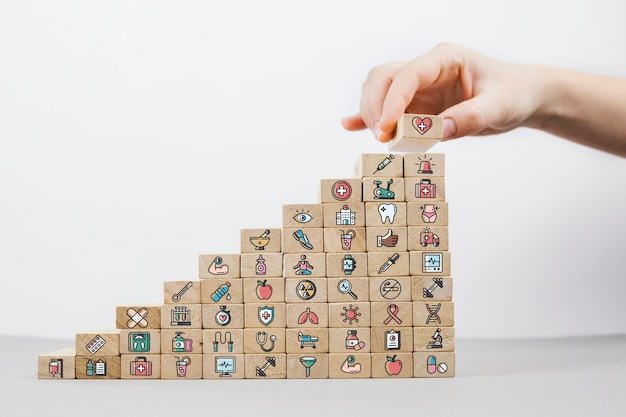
(345, 287)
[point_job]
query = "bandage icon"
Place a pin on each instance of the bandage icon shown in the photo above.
(137, 318)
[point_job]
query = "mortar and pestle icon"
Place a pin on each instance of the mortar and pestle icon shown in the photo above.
(261, 241)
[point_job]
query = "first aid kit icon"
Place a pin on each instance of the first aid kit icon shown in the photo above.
(141, 366)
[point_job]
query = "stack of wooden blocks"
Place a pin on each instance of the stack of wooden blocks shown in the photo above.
(355, 286)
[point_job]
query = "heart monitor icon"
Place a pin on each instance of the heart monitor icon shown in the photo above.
(422, 125)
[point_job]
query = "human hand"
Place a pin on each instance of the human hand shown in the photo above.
(474, 94)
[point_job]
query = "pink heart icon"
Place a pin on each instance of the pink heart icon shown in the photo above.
(422, 125)
(223, 317)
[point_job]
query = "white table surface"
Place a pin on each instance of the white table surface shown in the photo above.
(543, 377)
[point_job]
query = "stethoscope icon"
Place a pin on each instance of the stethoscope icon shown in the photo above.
(261, 339)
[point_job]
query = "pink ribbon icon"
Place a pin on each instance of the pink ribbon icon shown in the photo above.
(392, 309)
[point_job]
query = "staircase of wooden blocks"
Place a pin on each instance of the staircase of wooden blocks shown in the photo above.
(355, 286)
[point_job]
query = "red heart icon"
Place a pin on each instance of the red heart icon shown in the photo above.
(223, 317)
(422, 125)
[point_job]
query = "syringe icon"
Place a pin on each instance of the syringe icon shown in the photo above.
(392, 260)
(385, 162)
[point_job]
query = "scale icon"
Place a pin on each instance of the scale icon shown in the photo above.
(308, 362)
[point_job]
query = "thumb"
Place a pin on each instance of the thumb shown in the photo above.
(388, 234)
(469, 117)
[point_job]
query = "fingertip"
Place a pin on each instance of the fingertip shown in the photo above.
(352, 123)
(449, 128)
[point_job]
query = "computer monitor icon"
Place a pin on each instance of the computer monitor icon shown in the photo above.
(225, 365)
(432, 262)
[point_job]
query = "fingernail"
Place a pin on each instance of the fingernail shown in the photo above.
(449, 128)
(377, 131)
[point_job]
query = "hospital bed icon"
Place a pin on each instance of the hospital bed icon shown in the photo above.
(307, 340)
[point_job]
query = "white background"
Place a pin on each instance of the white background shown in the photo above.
(135, 136)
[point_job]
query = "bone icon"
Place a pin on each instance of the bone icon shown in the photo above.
(387, 211)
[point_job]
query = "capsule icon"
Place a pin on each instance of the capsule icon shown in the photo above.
(431, 364)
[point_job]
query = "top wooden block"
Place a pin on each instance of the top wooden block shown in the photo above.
(379, 165)
(417, 133)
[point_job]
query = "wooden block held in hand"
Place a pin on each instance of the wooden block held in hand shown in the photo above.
(416, 133)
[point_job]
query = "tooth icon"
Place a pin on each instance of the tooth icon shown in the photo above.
(387, 211)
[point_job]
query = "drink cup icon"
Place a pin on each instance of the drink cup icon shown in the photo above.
(346, 239)
(181, 366)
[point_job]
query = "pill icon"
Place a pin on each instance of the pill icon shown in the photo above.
(431, 365)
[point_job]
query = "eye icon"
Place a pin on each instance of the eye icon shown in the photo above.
(302, 217)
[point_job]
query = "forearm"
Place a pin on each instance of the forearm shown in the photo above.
(585, 108)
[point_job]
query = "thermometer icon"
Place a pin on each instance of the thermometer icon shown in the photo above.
(345, 287)
(176, 297)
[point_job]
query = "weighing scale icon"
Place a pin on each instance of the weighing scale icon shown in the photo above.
(432, 262)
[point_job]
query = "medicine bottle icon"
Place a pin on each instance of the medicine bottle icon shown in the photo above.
(261, 268)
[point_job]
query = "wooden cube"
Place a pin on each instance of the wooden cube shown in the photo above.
(433, 314)
(223, 266)
(433, 213)
(348, 366)
(223, 366)
(138, 317)
(383, 189)
(425, 190)
(386, 213)
(261, 265)
(390, 288)
(222, 341)
(378, 165)
(388, 264)
(270, 315)
(140, 342)
(182, 366)
(386, 239)
(307, 315)
(296, 216)
(219, 291)
(266, 366)
(181, 292)
(188, 316)
(261, 240)
(348, 289)
(306, 290)
(303, 240)
(391, 314)
(392, 365)
(427, 238)
(306, 341)
(422, 164)
(98, 367)
(259, 290)
(263, 340)
(350, 314)
(103, 342)
(58, 364)
(181, 342)
(346, 264)
(340, 190)
(392, 339)
(146, 366)
(344, 215)
(433, 263)
(440, 339)
(349, 340)
(223, 316)
(350, 239)
(304, 265)
(307, 366)
(416, 133)
(428, 288)
(433, 365)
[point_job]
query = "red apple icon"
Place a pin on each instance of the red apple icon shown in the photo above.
(263, 290)
(393, 366)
